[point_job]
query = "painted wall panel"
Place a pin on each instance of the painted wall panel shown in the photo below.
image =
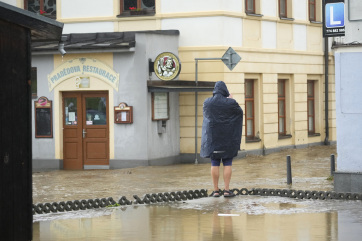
(208, 31)
(300, 37)
(269, 8)
(86, 8)
(300, 9)
(168, 6)
(90, 27)
(269, 34)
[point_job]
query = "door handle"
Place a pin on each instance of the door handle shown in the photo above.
(84, 132)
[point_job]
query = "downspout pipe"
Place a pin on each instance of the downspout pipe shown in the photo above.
(326, 140)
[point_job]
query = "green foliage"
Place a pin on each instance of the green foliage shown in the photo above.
(114, 205)
(330, 178)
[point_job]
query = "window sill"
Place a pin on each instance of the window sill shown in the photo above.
(287, 19)
(252, 140)
(136, 14)
(316, 22)
(254, 14)
(314, 134)
(281, 137)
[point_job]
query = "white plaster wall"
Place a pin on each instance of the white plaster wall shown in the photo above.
(269, 8)
(90, 27)
(300, 37)
(175, 6)
(11, 2)
(269, 34)
(300, 9)
(43, 148)
(86, 8)
(224, 31)
(349, 111)
(353, 28)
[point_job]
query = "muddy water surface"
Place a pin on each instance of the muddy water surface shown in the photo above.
(238, 218)
(310, 170)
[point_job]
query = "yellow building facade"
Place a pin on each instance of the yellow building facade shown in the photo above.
(279, 82)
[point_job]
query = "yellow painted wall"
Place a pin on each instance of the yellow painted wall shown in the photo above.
(265, 66)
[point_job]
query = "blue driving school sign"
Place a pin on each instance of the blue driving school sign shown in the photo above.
(333, 18)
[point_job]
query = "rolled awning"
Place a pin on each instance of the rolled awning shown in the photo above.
(180, 86)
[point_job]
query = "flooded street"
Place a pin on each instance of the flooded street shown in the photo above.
(238, 218)
(310, 170)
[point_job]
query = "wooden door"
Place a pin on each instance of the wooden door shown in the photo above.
(86, 131)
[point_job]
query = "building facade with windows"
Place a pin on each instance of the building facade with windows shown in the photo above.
(279, 81)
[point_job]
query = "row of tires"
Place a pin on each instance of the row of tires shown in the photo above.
(185, 195)
(300, 194)
(43, 208)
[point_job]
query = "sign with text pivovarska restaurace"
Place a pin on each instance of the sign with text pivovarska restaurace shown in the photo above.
(333, 18)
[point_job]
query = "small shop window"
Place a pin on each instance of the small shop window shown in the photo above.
(311, 109)
(46, 8)
(34, 81)
(43, 118)
(160, 106)
(249, 109)
(281, 108)
(137, 7)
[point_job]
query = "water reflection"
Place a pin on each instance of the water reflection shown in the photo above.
(253, 218)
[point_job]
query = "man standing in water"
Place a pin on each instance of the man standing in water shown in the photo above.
(221, 135)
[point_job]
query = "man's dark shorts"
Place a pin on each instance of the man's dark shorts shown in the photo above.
(225, 162)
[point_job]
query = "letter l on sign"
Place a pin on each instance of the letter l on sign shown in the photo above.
(334, 15)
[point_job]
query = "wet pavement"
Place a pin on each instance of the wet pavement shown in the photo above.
(310, 170)
(238, 218)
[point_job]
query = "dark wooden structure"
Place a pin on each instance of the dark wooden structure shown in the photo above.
(18, 28)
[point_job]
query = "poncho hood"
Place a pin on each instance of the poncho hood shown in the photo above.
(220, 88)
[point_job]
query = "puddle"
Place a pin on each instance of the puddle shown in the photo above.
(242, 218)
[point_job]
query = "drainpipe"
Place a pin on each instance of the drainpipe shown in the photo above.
(326, 140)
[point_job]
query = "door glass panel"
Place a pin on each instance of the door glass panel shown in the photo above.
(70, 110)
(96, 111)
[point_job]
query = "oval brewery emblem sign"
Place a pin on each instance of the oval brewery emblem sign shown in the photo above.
(167, 66)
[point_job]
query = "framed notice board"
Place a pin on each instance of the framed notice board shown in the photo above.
(43, 118)
(123, 114)
(160, 106)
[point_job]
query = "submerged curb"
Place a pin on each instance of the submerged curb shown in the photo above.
(43, 208)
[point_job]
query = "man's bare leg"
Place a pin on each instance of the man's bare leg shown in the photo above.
(215, 177)
(227, 176)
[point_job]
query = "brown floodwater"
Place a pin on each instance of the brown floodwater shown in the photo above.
(310, 170)
(238, 218)
(248, 218)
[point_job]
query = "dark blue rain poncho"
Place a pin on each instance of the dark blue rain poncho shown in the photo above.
(222, 125)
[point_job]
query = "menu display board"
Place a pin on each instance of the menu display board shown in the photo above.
(160, 106)
(43, 118)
